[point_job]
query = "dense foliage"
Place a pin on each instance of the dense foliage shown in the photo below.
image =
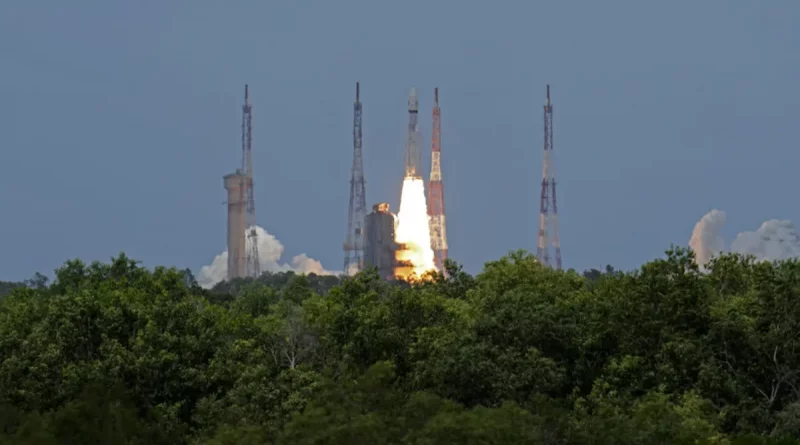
(519, 354)
(7, 286)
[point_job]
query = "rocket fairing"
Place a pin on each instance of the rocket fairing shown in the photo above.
(413, 103)
(412, 138)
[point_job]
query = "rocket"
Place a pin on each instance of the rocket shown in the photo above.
(412, 138)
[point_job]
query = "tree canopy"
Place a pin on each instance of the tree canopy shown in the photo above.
(7, 286)
(518, 354)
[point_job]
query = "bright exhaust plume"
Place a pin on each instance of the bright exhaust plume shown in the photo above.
(414, 254)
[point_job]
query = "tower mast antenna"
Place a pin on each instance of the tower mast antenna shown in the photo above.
(436, 191)
(548, 195)
(252, 259)
(357, 214)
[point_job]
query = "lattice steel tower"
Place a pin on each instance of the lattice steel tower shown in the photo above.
(354, 244)
(436, 190)
(253, 264)
(548, 218)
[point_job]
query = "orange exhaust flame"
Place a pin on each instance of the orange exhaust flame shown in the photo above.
(414, 254)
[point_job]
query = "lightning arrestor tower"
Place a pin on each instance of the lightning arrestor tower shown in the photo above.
(436, 190)
(253, 264)
(354, 244)
(548, 218)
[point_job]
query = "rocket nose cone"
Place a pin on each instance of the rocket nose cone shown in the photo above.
(413, 103)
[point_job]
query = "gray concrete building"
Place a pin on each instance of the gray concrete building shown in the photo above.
(379, 245)
(234, 185)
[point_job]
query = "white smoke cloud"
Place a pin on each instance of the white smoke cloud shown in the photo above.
(775, 240)
(706, 241)
(270, 250)
(352, 269)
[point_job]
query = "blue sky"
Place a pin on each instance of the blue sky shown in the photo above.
(119, 119)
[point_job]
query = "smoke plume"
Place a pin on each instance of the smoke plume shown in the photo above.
(270, 250)
(706, 241)
(352, 270)
(775, 240)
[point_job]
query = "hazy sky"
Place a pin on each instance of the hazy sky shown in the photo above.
(118, 120)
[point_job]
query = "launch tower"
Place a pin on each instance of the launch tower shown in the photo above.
(252, 259)
(243, 259)
(436, 190)
(548, 217)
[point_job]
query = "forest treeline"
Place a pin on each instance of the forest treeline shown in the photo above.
(518, 354)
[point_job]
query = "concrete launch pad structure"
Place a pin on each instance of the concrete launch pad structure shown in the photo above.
(380, 246)
(234, 185)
